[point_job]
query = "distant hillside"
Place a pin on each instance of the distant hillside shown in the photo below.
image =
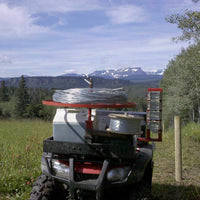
(112, 78)
(1, 79)
(63, 82)
(136, 88)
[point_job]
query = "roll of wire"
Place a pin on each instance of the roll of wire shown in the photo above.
(125, 124)
(90, 95)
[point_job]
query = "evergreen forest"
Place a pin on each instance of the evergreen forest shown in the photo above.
(23, 102)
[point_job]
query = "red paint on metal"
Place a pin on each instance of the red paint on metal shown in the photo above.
(89, 125)
(155, 89)
(148, 131)
(85, 167)
(97, 105)
(148, 139)
(88, 168)
(89, 114)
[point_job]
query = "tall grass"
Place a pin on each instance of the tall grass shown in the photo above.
(21, 150)
(164, 185)
(20, 154)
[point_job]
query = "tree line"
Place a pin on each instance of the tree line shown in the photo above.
(23, 102)
(181, 79)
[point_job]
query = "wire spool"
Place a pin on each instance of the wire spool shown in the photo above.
(90, 96)
(125, 124)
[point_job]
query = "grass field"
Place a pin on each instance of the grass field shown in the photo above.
(164, 185)
(20, 154)
(21, 150)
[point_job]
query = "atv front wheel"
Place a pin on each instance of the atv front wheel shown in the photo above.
(45, 189)
(142, 189)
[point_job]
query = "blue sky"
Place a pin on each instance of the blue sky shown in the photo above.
(54, 37)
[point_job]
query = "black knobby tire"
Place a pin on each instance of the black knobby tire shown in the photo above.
(45, 189)
(142, 190)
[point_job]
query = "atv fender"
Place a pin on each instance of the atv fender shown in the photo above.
(143, 159)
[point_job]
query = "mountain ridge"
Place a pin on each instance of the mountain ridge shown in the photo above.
(122, 73)
(123, 77)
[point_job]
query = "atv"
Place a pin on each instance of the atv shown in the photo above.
(98, 152)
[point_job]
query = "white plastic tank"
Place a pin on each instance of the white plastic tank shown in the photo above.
(69, 125)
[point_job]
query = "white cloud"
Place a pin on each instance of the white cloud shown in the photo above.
(69, 71)
(5, 60)
(160, 41)
(127, 14)
(17, 22)
(98, 29)
(62, 22)
(46, 6)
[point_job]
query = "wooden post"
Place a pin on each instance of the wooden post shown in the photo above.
(178, 149)
(163, 128)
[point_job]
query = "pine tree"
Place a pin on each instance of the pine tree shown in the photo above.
(22, 99)
(3, 92)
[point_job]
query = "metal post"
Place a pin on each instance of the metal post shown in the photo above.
(178, 149)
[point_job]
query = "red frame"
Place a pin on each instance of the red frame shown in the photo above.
(96, 105)
(89, 106)
(149, 139)
(155, 89)
(148, 133)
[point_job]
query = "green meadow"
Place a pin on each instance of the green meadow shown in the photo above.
(20, 154)
(21, 150)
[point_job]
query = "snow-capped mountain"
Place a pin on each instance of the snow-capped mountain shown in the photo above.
(159, 72)
(123, 73)
(119, 73)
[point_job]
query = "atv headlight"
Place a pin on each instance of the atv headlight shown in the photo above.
(118, 174)
(44, 164)
(60, 169)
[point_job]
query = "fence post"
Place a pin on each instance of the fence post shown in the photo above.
(178, 149)
(163, 128)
